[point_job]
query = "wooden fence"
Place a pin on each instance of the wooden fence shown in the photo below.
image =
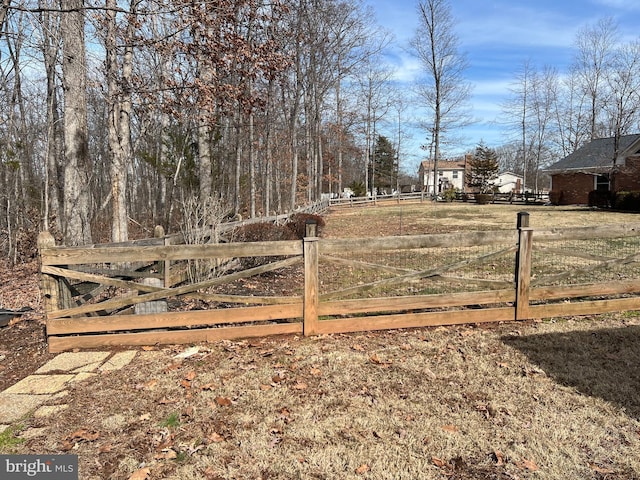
(136, 294)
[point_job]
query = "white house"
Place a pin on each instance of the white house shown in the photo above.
(450, 175)
(508, 182)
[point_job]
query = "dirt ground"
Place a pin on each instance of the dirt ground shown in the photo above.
(539, 400)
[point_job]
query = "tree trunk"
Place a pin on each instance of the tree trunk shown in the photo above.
(77, 229)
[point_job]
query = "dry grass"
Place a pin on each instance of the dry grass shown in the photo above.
(553, 400)
(539, 400)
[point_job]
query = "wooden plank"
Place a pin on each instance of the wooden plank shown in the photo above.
(90, 277)
(414, 302)
(565, 252)
(165, 293)
(415, 320)
(584, 308)
(192, 318)
(588, 290)
(60, 344)
(587, 233)
(406, 242)
(80, 255)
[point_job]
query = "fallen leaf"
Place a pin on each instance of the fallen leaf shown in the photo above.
(378, 361)
(601, 470)
(358, 348)
(527, 464)
(498, 457)
(106, 448)
(315, 372)
(300, 386)
(215, 438)
(277, 378)
(189, 352)
(450, 428)
(208, 386)
(144, 416)
(191, 375)
(362, 469)
(141, 474)
(223, 401)
(438, 462)
(264, 388)
(166, 454)
(82, 435)
(151, 384)
(185, 384)
(148, 348)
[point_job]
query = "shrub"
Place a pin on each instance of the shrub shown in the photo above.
(298, 223)
(483, 198)
(600, 199)
(261, 232)
(449, 195)
(628, 201)
(555, 197)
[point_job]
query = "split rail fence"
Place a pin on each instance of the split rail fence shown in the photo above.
(138, 293)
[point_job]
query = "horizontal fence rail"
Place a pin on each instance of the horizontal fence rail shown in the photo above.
(143, 293)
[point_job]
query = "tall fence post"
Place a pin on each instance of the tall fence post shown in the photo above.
(523, 266)
(310, 310)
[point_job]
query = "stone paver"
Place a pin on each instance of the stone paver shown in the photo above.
(73, 361)
(31, 393)
(118, 361)
(41, 384)
(49, 410)
(35, 432)
(14, 407)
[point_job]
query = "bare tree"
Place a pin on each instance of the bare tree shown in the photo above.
(444, 90)
(594, 50)
(623, 100)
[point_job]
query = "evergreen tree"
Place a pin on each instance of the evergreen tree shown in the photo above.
(483, 169)
(384, 161)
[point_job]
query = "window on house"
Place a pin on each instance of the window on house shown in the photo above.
(455, 174)
(602, 183)
(440, 173)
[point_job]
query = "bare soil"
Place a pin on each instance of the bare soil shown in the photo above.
(551, 400)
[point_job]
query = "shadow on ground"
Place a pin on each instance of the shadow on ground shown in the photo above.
(603, 363)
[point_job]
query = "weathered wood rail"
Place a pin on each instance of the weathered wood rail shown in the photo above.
(91, 293)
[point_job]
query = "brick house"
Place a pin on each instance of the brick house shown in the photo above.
(590, 168)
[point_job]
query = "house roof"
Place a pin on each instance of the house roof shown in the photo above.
(443, 165)
(597, 155)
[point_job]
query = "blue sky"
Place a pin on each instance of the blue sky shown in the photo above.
(498, 37)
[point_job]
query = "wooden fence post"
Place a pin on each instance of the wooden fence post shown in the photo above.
(164, 267)
(48, 283)
(523, 266)
(310, 310)
(56, 290)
